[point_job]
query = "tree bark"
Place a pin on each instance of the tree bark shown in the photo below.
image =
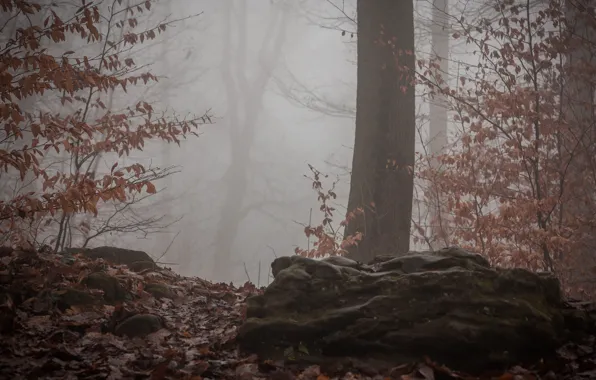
(438, 118)
(579, 113)
(382, 167)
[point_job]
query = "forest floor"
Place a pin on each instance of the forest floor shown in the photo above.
(53, 326)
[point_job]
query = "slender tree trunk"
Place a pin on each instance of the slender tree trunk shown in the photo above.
(382, 167)
(164, 203)
(438, 116)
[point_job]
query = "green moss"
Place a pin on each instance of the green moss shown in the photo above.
(444, 304)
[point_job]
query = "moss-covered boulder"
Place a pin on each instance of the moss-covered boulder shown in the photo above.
(116, 255)
(449, 304)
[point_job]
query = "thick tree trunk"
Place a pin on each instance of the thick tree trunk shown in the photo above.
(579, 92)
(578, 110)
(382, 167)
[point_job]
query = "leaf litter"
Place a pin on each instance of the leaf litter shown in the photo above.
(52, 326)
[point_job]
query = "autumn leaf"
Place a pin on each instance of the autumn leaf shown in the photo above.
(150, 188)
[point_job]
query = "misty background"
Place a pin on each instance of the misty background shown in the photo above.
(279, 79)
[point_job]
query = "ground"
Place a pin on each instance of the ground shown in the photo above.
(66, 316)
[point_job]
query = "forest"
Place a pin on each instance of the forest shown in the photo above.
(298, 189)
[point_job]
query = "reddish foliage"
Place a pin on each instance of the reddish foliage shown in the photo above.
(34, 65)
(330, 240)
(517, 182)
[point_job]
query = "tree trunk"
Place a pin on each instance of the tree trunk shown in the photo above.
(382, 167)
(579, 99)
(438, 117)
(578, 110)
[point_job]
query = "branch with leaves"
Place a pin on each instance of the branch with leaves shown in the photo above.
(27, 69)
(330, 239)
(515, 179)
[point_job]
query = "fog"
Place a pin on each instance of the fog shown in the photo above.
(238, 63)
(279, 83)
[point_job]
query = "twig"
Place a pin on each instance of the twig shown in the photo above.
(309, 225)
(168, 248)
(246, 271)
(272, 250)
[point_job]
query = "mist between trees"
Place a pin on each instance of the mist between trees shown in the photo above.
(217, 135)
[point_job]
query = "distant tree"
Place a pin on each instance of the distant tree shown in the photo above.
(438, 120)
(382, 168)
(35, 63)
(244, 100)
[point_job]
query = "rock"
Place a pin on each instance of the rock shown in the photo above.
(5, 277)
(114, 255)
(160, 291)
(443, 259)
(74, 251)
(449, 304)
(321, 267)
(139, 325)
(281, 263)
(7, 312)
(5, 251)
(113, 291)
(343, 262)
(73, 297)
(139, 266)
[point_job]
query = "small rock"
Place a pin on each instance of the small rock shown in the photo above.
(118, 255)
(7, 313)
(73, 297)
(139, 266)
(139, 325)
(246, 371)
(113, 291)
(114, 255)
(160, 291)
(342, 262)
